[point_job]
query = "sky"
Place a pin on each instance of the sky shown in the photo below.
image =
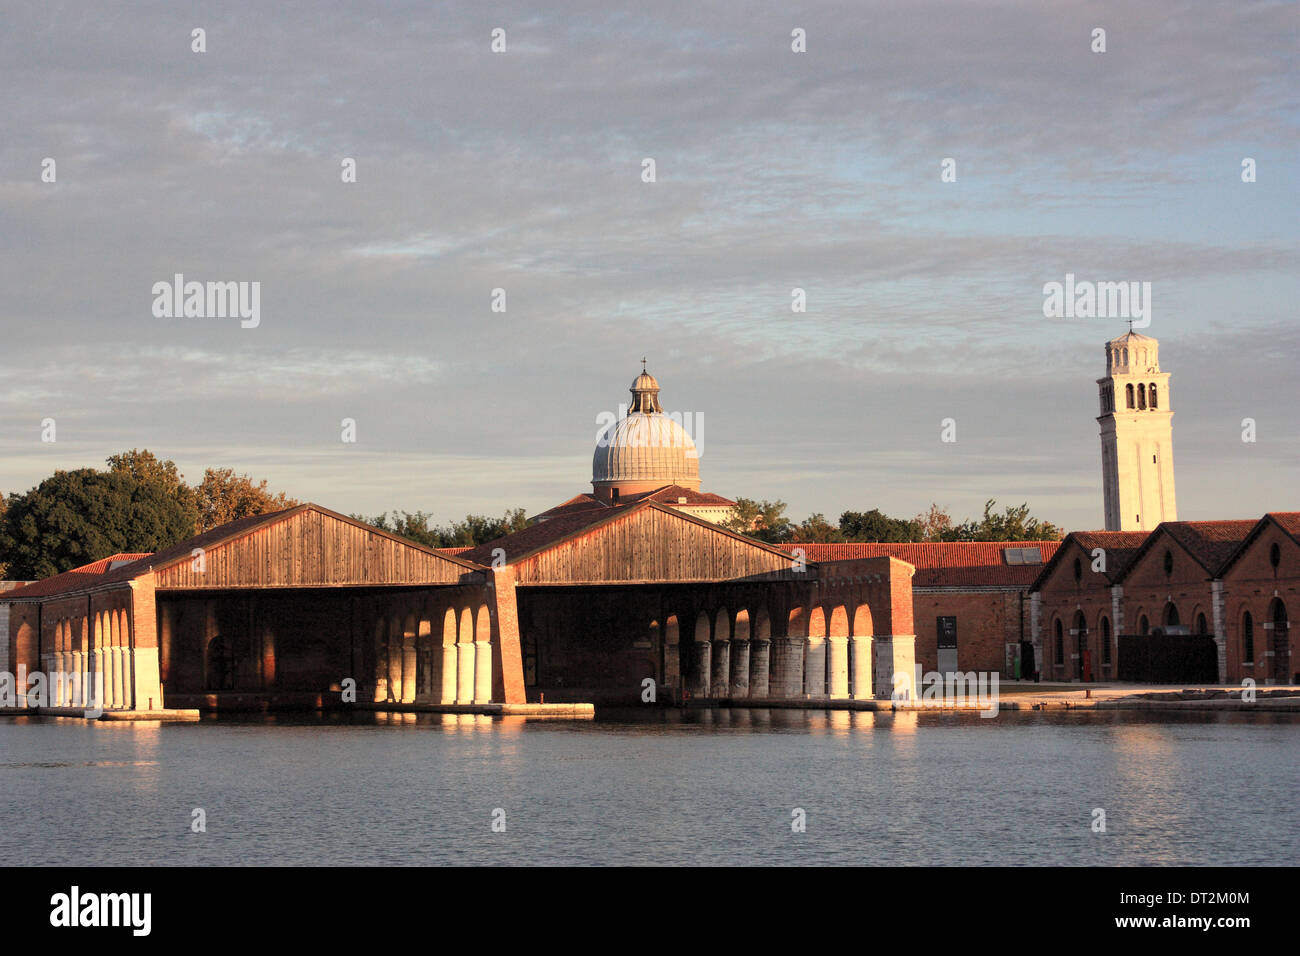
(522, 170)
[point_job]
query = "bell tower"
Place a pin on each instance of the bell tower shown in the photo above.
(1137, 450)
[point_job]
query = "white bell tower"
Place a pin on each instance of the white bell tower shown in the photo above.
(1137, 445)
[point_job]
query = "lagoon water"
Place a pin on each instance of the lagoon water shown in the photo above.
(661, 788)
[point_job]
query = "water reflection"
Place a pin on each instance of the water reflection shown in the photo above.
(657, 786)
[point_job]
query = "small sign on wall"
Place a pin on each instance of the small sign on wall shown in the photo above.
(946, 634)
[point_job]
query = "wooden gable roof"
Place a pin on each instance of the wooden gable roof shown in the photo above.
(303, 546)
(640, 543)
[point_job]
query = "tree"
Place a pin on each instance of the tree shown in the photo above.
(765, 520)
(144, 466)
(874, 525)
(1014, 524)
(75, 517)
(224, 496)
(934, 524)
(473, 530)
(815, 529)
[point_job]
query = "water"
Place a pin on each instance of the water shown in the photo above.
(701, 788)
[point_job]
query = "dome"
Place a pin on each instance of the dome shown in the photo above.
(645, 449)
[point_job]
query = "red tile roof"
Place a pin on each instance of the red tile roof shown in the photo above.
(669, 495)
(942, 563)
(666, 495)
(576, 504)
(1211, 543)
(455, 551)
(73, 579)
(1288, 521)
(537, 536)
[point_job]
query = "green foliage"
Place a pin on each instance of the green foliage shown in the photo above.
(816, 529)
(473, 530)
(874, 525)
(75, 517)
(765, 520)
(1014, 524)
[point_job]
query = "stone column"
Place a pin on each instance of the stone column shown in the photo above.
(740, 651)
(862, 650)
(447, 691)
(408, 669)
(760, 656)
(787, 668)
(815, 673)
(98, 685)
(704, 665)
(465, 672)
(839, 667)
(482, 672)
(117, 691)
(721, 682)
(77, 679)
(66, 668)
(895, 654)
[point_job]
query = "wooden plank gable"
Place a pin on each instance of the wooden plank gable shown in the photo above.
(650, 544)
(312, 548)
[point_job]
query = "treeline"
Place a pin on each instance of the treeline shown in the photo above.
(767, 521)
(140, 503)
(137, 503)
(474, 530)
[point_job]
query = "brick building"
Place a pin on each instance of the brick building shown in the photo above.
(1237, 582)
(970, 599)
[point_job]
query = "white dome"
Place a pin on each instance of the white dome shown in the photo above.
(646, 447)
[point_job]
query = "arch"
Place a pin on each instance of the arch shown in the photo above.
(218, 665)
(1058, 647)
(1128, 394)
(1247, 638)
(672, 653)
(426, 663)
(465, 658)
(722, 625)
(1142, 396)
(1170, 615)
(837, 654)
(1151, 395)
(1144, 626)
(797, 625)
(445, 684)
(700, 657)
(762, 625)
(839, 622)
(1107, 640)
(1202, 625)
(741, 654)
(1126, 355)
(862, 623)
(483, 655)
(817, 623)
(815, 669)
